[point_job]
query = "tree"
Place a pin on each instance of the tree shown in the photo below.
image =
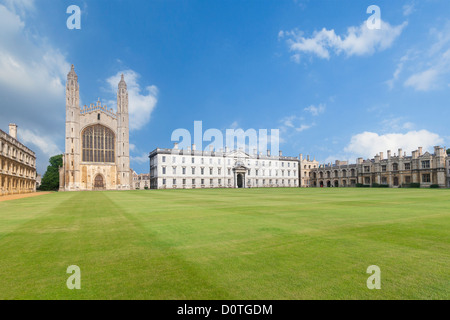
(448, 151)
(50, 180)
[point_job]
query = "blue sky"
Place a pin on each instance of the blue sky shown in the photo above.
(334, 88)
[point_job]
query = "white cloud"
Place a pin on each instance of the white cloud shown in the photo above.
(304, 127)
(423, 81)
(21, 7)
(368, 144)
(428, 68)
(293, 124)
(141, 159)
(396, 124)
(46, 144)
(142, 102)
(432, 77)
(32, 77)
(357, 41)
(315, 111)
(408, 9)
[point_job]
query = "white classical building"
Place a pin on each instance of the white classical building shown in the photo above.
(188, 169)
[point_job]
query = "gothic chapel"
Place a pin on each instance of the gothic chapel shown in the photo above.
(97, 142)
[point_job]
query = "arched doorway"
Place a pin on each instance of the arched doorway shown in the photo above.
(328, 184)
(98, 182)
(321, 184)
(396, 181)
(240, 181)
(336, 183)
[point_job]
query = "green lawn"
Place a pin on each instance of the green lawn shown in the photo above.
(227, 244)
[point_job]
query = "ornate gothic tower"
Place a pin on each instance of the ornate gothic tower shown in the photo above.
(72, 152)
(123, 150)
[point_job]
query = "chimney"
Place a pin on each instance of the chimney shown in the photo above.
(301, 157)
(280, 153)
(400, 152)
(307, 158)
(420, 151)
(268, 153)
(381, 156)
(211, 148)
(13, 130)
(193, 147)
(389, 154)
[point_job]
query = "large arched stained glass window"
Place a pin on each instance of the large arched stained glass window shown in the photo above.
(98, 144)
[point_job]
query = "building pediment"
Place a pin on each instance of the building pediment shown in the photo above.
(237, 154)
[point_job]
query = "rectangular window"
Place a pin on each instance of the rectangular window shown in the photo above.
(426, 178)
(174, 181)
(193, 170)
(211, 171)
(164, 170)
(407, 179)
(164, 181)
(383, 168)
(184, 181)
(163, 159)
(193, 160)
(193, 181)
(220, 181)
(203, 181)
(174, 170)
(367, 169)
(184, 170)
(426, 164)
(407, 166)
(202, 171)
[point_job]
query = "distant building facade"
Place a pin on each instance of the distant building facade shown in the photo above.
(97, 143)
(188, 169)
(140, 181)
(394, 171)
(17, 165)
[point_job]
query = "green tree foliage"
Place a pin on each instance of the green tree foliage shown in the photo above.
(448, 151)
(50, 180)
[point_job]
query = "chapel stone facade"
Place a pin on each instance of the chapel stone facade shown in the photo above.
(97, 142)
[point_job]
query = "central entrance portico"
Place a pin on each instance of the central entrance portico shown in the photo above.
(239, 175)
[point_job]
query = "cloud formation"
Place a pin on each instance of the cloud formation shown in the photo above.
(142, 102)
(368, 144)
(32, 82)
(315, 111)
(358, 41)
